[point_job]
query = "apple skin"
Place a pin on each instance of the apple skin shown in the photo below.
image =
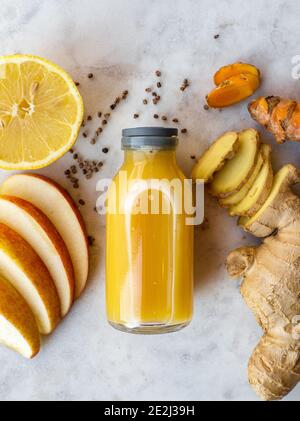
(17, 312)
(51, 233)
(21, 254)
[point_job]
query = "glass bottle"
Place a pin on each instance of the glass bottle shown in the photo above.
(149, 279)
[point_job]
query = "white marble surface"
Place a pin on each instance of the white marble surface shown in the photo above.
(123, 42)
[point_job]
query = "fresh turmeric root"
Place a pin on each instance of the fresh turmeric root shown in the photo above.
(271, 288)
(235, 83)
(279, 116)
(235, 69)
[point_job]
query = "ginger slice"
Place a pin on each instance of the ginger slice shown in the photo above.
(227, 72)
(273, 212)
(237, 171)
(260, 189)
(242, 193)
(233, 90)
(216, 156)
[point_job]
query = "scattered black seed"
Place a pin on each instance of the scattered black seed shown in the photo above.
(159, 85)
(77, 83)
(217, 36)
(175, 120)
(85, 135)
(71, 151)
(99, 131)
(89, 176)
(104, 122)
(193, 157)
(76, 186)
(93, 141)
(99, 114)
(136, 116)
(90, 118)
(145, 101)
(148, 90)
(154, 94)
(185, 85)
(156, 116)
(84, 172)
(113, 107)
(105, 150)
(100, 164)
(158, 73)
(67, 172)
(206, 107)
(184, 131)
(164, 118)
(107, 116)
(75, 156)
(125, 94)
(82, 202)
(81, 165)
(90, 75)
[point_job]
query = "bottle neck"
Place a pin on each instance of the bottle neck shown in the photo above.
(136, 157)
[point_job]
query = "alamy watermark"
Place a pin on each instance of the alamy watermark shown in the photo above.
(152, 196)
(296, 67)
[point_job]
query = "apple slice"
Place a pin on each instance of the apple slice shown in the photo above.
(29, 222)
(59, 207)
(18, 328)
(24, 269)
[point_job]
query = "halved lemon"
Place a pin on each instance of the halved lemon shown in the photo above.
(41, 112)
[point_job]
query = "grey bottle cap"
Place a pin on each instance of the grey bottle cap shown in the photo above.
(156, 138)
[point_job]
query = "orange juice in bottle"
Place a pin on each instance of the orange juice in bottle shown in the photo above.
(149, 243)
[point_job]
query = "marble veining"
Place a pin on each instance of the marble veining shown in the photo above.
(123, 42)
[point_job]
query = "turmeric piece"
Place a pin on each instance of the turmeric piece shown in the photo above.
(279, 116)
(233, 90)
(235, 69)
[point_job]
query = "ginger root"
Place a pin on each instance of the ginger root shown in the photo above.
(279, 116)
(271, 272)
(235, 83)
(271, 288)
